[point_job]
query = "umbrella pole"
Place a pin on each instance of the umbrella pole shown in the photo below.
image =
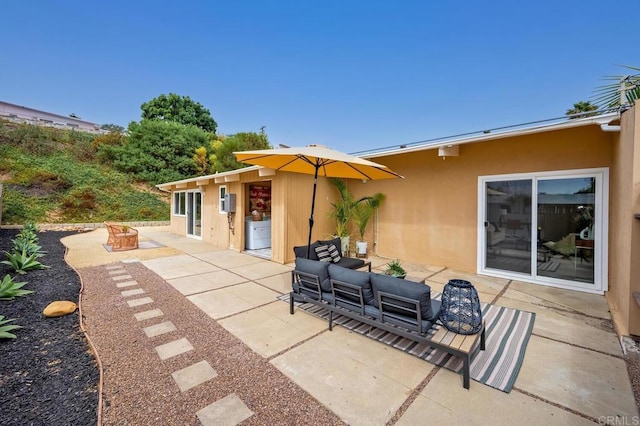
(313, 205)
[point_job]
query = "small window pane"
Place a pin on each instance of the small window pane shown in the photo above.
(222, 193)
(179, 203)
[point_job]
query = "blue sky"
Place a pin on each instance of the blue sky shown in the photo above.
(352, 75)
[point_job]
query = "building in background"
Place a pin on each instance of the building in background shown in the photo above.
(22, 114)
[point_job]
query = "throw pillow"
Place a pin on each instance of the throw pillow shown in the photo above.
(335, 241)
(334, 253)
(323, 253)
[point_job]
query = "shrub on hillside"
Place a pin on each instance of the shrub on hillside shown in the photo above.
(80, 199)
(35, 139)
(159, 151)
(104, 145)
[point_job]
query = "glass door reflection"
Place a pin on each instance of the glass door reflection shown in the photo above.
(565, 237)
(508, 225)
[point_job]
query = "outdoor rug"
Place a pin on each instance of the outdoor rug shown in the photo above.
(142, 245)
(507, 334)
(550, 266)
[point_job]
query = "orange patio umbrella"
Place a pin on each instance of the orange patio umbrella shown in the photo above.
(316, 160)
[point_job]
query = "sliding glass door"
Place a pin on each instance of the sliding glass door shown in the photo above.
(194, 214)
(547, 228)
(508, 225)
(566, 237)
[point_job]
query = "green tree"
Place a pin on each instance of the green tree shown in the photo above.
(223, 160)
(201, 160)
(624, 89)
(112, 128)
(582, 107)
(158, 151)
(180, 109)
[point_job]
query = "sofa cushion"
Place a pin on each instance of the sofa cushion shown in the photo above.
(350, 262)
(301, 251)
(404, 288)
(323, 253)
(315, 267)
(360, 278)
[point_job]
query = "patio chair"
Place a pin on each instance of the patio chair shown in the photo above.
(566, 246)
(121, 237)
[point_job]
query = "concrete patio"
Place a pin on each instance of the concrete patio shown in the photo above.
(573, 372)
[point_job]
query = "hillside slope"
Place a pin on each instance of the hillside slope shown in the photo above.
(53, 176)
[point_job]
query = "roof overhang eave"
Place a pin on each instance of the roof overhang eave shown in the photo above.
(601, 120)
(167, 185)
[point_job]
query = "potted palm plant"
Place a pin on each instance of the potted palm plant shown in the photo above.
(362, 212)
(342, 212)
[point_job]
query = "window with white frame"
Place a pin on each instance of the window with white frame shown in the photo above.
(179, 203)
(222, 191)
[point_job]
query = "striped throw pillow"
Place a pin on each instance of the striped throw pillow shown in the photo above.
(333, 252)
(323, 253)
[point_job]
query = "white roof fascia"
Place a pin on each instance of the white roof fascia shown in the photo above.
(167, 186)
(443, 142)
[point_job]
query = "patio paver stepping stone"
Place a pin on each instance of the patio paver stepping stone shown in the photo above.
(229, 410)
(138, 302)
(158, 329)
(127, 284)
(174, 348)
(193, 375)
(153, 313)
(112, 267)
(133, 292)
(118, 271)
(121, 277)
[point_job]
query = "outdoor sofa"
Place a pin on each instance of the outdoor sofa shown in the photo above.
(346, 262)
(399, 306)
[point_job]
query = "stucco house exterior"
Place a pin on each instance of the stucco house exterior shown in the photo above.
(23, 114)
(553, 203)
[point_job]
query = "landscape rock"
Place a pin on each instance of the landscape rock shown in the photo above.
(59, 308)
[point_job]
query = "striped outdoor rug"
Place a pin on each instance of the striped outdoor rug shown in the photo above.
(507, 334)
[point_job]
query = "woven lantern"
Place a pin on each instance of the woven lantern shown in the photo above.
(461, 311)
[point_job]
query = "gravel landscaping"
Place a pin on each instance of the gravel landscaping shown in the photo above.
(51, 377)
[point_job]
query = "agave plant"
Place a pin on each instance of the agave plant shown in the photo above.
(395, 269)
(22, 262)
(10, 289)
(28, 234)
(27, 246)
(5, 329)
(31, 227)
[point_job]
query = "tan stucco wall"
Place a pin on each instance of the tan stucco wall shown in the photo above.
(624, 236)
(290, 208)
(431, 216)
(297, 191)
